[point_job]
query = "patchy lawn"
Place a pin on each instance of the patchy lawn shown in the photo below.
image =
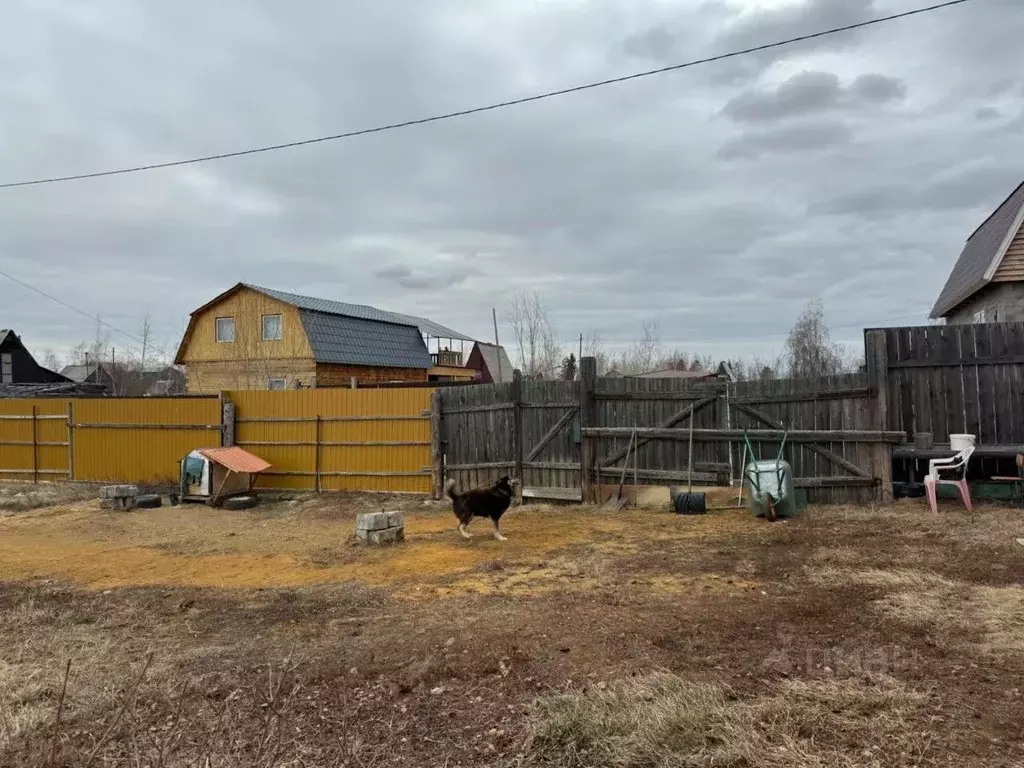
(849, 637)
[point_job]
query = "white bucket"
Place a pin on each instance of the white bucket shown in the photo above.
(961, 442)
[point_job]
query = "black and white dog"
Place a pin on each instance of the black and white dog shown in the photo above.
(492, 502)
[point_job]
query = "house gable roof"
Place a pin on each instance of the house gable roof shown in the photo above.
(343, 334)
(982, 253)
(497, 361)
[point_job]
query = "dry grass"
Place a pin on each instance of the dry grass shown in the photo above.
(665, 721)
(434, 652)
(22, 497)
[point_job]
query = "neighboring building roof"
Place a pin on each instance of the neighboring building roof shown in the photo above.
(981, 255)
(498, 364)
(363, 312)
(79, 372)
(54, 389)
(672, 373)
(344, 340)
(235, 459)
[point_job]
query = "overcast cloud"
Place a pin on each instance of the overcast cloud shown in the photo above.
(720, 199)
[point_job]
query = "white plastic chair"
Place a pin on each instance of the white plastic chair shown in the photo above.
(956, 463)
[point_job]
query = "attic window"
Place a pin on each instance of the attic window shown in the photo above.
(225, 330)
(6, 368)
(271, 327)
(275, 384)
(979, 317)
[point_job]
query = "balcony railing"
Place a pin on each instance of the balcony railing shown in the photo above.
(447, 358)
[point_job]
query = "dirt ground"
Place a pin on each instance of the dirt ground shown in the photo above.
(847, 637)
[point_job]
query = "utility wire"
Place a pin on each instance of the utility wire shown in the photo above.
(82, 312)
(491, 107)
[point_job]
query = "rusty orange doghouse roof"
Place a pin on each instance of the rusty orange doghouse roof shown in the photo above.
(235, 459)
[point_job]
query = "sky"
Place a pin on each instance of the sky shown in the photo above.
(719, 199)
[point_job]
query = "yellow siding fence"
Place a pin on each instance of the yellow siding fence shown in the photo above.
(320, 439)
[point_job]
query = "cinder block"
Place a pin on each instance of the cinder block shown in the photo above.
(372, 521)
(385, 536)
(394, 519)
(118, 491)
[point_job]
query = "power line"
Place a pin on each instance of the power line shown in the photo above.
(82, 312)
(491, 107)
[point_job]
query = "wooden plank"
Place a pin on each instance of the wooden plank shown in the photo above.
(773, 435)
(986, 386)
(834, 482)
(798, 397)
(672, 421)
(71, 440)
(517, 425)
(659, 474)
(549, 405)
(554, 494)
(965, 359)
(588, 418)
(332, 419)
(818, 450)
(28, 417)
(550, 435)
(317, 435)
(436, 445)
(638, 396)
(480, 465)
(337, 443)
(40, 443)
(910, 452)
(952, 386)
(972, 401)
(35, 447)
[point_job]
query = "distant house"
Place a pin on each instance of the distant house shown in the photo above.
(17, 366)
(104, 373)
(724, 372)
(987, 281)
(490, 362)
(258, 338)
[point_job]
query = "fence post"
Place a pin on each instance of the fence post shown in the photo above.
(227, 421)
(436, 444)
(876, 356)
(517, 426)
(588, 418)
(316, 454)
(71, 439)
(35, 449)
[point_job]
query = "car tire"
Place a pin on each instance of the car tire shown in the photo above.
(240, 502)
(148, 501)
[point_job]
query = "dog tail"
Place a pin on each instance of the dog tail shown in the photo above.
(449, 489)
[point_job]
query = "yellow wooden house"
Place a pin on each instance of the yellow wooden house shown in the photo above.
(250, 337)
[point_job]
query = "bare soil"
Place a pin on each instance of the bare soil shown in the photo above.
(847, 637)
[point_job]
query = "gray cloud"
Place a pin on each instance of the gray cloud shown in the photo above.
(809, 92)
(618, 203)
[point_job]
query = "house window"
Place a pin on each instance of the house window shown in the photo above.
(225, 330)
(6, 368)
(271, 327)
(275, 384)
(979, 317)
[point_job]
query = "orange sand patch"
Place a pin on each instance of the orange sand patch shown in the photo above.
(279, 546)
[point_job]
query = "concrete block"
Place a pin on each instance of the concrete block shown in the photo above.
(372, 521)
(385, 536)
(118, 491)
(394, 519)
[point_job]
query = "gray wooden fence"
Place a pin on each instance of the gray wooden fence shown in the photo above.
(548, 432)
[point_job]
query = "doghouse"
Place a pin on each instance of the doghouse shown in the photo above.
(211, 475)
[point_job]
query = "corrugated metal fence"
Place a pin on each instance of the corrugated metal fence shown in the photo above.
(373, 440)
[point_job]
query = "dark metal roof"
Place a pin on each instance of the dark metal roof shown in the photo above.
(363, 312)
(55, 389)
(346, 340)
(968, 275)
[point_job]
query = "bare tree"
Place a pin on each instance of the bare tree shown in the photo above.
(594, 347)
(52, 360)
(540, 352)
(642, 354)
(810, 351)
